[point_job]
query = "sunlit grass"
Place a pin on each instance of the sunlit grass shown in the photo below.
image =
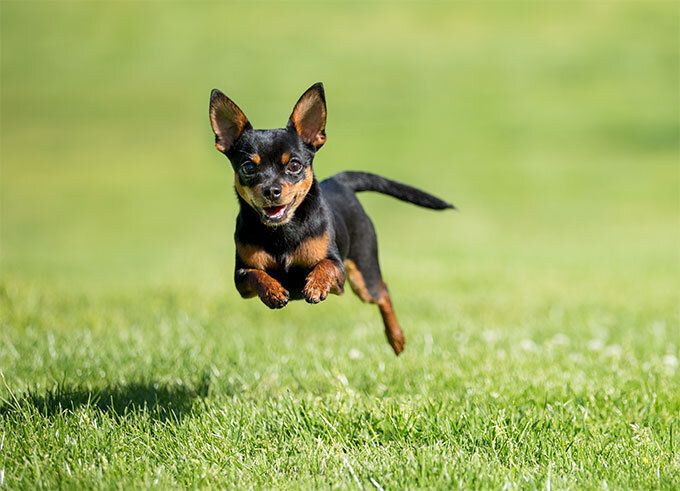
(542, 319)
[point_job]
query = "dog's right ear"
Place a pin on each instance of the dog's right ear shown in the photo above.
(227, 120)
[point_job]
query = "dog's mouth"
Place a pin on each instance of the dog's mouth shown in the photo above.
(272, 215)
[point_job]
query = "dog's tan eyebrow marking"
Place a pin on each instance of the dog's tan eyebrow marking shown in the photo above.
(285, 158)
(255, 158)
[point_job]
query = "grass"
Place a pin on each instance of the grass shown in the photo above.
(542, 320)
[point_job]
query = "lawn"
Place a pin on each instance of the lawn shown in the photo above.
(542, 318)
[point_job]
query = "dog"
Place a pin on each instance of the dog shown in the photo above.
(297, 237)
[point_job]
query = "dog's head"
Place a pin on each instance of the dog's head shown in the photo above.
(273, 168)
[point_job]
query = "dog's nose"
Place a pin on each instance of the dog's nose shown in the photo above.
(272, 192)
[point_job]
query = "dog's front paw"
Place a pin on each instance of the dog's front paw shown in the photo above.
(315, 291)
(317, 288)
(324, 278)
(274, 296)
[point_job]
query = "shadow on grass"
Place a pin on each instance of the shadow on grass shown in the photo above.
(161, 402)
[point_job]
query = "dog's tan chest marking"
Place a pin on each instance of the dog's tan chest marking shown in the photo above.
(255, 256)
(310, 252)
(307, 255)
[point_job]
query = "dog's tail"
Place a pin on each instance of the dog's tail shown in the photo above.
(364, 181)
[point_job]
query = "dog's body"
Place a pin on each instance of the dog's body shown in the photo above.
(295, 237)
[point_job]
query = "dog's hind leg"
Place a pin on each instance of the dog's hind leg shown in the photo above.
(392, 330)
(363, 273)
(379, 295)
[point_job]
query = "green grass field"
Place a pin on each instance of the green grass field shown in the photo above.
(542, 319)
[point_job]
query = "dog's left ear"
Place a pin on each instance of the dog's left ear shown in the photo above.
(309, 116)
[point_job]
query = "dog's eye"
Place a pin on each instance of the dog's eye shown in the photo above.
(294, 166)
(248, 169)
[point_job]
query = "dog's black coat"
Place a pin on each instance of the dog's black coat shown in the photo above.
(323, 227)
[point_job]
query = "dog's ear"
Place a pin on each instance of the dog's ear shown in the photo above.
(309, 116)
(227, 120)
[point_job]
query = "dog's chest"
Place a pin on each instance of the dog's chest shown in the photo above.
(306, 255)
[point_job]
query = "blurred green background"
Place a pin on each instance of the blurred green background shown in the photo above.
(541, 319)
(553, 127)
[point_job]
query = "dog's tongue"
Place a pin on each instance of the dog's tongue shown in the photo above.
(274, 211)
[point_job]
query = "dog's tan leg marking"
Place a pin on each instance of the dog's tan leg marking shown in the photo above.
(325, 278)
(356, 281)
(392, 330)
(257, 282)
(394, 334)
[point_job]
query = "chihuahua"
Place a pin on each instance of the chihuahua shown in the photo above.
(297, 237)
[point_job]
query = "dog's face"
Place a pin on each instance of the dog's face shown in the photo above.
(273, 168)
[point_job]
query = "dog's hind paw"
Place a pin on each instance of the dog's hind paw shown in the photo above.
(396, 340)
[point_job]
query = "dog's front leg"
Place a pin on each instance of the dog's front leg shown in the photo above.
(251, 282)
(328, 276)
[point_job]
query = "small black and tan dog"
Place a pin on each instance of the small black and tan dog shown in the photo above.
(295, 237)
